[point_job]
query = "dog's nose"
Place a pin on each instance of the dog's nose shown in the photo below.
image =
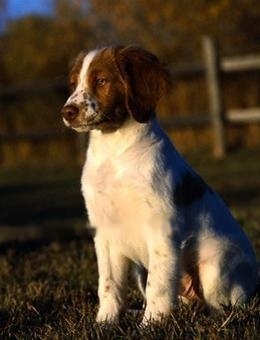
(70, 112)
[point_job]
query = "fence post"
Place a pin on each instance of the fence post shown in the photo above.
(212, 70)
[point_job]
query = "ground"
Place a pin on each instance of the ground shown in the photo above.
(49, 279)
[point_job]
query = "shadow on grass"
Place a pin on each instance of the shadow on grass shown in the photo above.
(36, 203)
(240, 196)
(23, 247)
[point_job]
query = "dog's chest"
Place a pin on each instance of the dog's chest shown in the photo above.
(115, 192)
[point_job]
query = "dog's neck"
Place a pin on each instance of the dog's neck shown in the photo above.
(115, 143)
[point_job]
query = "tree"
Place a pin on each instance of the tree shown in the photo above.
(175, 27)
(40, 47)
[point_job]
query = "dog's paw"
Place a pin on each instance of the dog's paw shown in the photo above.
(152, 317)
(108, 314)
(104, 318)
(154, 314)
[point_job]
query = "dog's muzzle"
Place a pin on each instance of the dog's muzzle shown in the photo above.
(70, 113)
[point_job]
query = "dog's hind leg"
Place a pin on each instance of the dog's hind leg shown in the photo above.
(214, 290)
(226, 281)
(243, 283)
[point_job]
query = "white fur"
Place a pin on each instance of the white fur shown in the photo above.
(129, 184)
(82, 85)
(80, 96)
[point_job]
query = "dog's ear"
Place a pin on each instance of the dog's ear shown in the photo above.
(144, 79)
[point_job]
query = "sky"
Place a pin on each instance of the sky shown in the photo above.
(16, 8)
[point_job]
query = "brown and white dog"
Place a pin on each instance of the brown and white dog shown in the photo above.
(148, 206)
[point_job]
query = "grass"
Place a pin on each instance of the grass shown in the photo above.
(48, 284)
(48, 291)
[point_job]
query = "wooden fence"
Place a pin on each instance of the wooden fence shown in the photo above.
(217, 118)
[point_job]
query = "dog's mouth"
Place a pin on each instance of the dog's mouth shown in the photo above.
(100, 120)
(89, 124)
(80, 127)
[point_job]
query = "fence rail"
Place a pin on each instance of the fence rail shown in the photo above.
(251, 115)
(241, 63)
(212, 67)
(33, 136)
(33, 88)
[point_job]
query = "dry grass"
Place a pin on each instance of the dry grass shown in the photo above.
(48, 291)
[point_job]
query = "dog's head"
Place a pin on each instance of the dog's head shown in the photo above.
(111, 85)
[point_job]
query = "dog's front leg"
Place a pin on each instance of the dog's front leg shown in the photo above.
(113, 269)
(163, 276)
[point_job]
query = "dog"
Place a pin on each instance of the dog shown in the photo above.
(148, 206)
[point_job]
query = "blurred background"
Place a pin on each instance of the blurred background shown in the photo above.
(212, 111)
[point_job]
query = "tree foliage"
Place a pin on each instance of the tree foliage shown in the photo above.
(39, 47)
(36, 47)
(174, 27)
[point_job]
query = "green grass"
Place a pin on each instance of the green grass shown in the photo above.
(48, 282)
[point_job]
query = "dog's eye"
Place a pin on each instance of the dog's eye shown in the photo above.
(101, 81)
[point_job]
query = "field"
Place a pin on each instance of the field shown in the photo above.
(48, 268)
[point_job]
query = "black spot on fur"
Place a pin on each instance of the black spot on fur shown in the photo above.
(191, 188)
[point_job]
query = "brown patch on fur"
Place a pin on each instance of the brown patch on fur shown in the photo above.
(190, 287)
(123, 82)
(107, 288)
(105, 85)
(75, 70)
(144, 79)
(160, 254)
